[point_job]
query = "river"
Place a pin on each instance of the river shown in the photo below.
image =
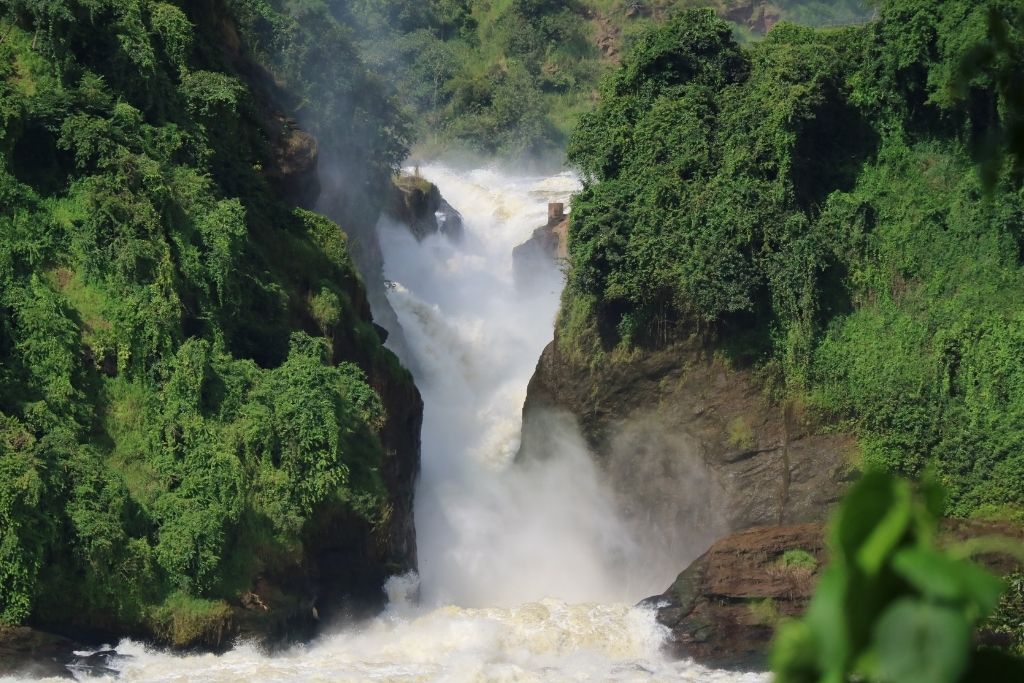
(527, 572)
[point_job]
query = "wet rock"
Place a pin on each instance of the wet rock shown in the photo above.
(94, 665)
(418, 204)
(723, 609)
(27, 652)
(548, 244)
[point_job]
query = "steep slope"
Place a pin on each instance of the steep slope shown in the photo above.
(805, 212)
(200, 431)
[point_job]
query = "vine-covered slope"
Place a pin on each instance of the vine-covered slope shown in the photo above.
(511, 77)
(840, 210)
(193, 398)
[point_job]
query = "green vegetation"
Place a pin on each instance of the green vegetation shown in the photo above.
(512, 77)
(740, 434)
(798, 559)
(765, 612)
(1008, 619)
(184, 357)
(891, 606)
(822, 205)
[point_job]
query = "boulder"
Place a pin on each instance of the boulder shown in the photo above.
(723, 609)
(30, 653)
(418, 204)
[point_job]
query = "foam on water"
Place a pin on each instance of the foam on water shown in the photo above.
(527, 572)
(546, 641)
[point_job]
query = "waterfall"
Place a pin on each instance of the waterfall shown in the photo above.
(527, 572)
(490, 533)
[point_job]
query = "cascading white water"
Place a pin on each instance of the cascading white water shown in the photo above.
(527, 573)
(488, 533)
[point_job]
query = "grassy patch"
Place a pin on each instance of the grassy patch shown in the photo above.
(740, 434)
(764, 611)
(185, 621)
(798, 559)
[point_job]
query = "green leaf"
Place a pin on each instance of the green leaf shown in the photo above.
(940, 577)
(794, 654)
(891, 529)
(863, 508)
(930, 572)
(918, 642)
(934, 494)
(826, 618)
(873, 519)
(982, 588)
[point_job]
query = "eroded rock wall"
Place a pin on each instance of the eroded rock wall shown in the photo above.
(693, 442)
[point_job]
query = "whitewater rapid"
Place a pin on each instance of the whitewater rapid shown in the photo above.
(527, 572)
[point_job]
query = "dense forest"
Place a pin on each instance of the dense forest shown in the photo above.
(511, 77)
(186, 356)
(841, 210)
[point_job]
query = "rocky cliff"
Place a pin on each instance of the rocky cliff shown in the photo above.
(418, 204)
(547, 243)
(693, 447)
(691, 441)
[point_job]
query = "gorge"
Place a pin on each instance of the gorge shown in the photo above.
(526, 572)
(317, 363)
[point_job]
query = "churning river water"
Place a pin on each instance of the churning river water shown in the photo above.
(527, 573)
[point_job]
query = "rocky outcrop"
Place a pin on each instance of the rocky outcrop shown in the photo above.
(292, 162)
(759, 17)
(549, 243)
(418, 204)
(724, 608)
(27, 652)
(688, 441)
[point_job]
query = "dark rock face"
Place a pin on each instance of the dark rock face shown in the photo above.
(27, 652)
(418, 203)
(691, 442)
(292, 168)
(693, 448)
(759, 17)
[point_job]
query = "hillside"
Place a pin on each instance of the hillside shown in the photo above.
(197, 415)
(512, 77)
(838, 212)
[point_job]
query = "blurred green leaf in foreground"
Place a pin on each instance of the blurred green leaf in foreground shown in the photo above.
(893, 607)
